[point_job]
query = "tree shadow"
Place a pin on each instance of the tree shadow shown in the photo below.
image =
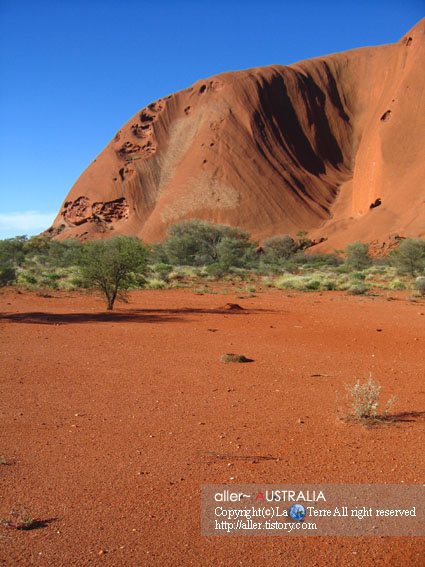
(40, 524)
(26, 524)
(407, 416)
(128, 316)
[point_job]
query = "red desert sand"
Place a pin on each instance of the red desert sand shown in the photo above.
(112, 421)
(332, 145)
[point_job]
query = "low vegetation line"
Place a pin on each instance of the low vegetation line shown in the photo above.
(196, 253)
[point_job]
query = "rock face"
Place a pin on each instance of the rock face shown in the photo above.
(333, 145)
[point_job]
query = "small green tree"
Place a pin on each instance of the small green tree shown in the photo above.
(109, 265)
(409, 256)
(357, 256)
(278, 249)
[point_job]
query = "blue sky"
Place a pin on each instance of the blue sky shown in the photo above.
(73, 72)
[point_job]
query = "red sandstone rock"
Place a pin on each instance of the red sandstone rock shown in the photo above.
(333, 145)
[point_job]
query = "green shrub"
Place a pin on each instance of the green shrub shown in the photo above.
(420, 285)
(409, 256)
(64, 253)
(299, 283)
(197, 243)
(278, 248)
(312, 285)
(12, 252)
(162, 270)
(154, 283)
(357, 256)
(216, 270)
(358, 289)
(358, 276)
(7, 276)
(398, 285)
(235, 252)
(26, 278)
(329, 285)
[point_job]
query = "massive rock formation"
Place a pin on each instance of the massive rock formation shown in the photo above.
(333, 145)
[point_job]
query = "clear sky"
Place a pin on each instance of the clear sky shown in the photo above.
(74, 71)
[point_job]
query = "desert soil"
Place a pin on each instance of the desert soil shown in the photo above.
(111, 422)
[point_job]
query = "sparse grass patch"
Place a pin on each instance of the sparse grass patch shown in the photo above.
(398, 285)
(155, 283)
(19, 520)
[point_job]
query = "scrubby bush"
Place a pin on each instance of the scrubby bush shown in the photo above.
(7, 276)
(397, 285)
(358, 276)
(278, 249)
(299, 283)
(236, 252)
(365, 402)
(12, 251)
(65, 253)
(329, 285)
(358, 289)
(420, 285)
(162, 270)
(198, 243)
(215, 270)
(409, 256)
(357, 256)
(154, 283)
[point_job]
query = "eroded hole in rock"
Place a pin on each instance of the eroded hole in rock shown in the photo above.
(408, 40)
(386, 116)
(376, 203)
(78, 211)
(81, 211)
(121, 172)
(141, 131)
(145, 117)
(202, 89)
(129, 148)
(157, 106)
(187, 110)
(111, 211)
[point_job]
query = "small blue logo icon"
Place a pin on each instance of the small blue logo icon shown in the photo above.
(297, 512)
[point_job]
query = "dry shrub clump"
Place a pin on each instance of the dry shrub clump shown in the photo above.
(365, 403)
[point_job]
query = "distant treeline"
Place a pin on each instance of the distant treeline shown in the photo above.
(220, 249)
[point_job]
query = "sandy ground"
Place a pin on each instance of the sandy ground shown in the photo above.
(111, 422)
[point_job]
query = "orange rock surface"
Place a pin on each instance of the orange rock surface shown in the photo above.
(333, 145)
